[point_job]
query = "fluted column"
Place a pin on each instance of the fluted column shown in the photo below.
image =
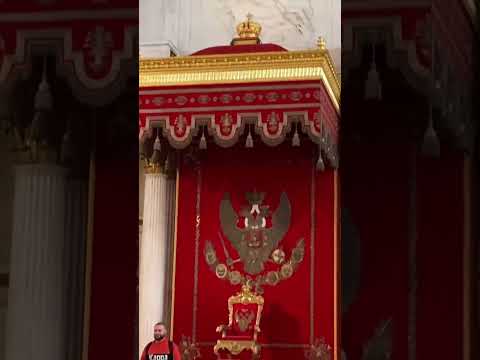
(154, 252)
(74, 262)
(36, 303)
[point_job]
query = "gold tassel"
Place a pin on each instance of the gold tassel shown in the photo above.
(296, 138)
(157, 145)
(203, 141)
(320, 166)
(249, 142)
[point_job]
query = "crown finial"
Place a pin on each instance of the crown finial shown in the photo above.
(248, 32)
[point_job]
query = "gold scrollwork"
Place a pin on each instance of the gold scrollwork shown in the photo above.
(188, 350)
(235, 277)
(235, 347)
(319, 350)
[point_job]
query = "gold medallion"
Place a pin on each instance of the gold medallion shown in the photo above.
(286, 271)
(221, 271)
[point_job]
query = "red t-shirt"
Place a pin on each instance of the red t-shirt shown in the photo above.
(158, 348)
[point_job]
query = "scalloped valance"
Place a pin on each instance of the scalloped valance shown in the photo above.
(269, 93)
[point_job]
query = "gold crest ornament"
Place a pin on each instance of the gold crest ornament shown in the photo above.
(255, 242)
(319, 350)
(188, 350)
(244, 319)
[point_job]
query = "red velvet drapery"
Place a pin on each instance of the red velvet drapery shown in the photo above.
(295, 304)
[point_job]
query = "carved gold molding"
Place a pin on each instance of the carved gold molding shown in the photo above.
(235, 347)
(154, 169)
(242, 68)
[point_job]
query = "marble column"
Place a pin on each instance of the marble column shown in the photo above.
(36, 302)
(158, 216)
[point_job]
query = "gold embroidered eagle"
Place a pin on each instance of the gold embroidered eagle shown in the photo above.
(255, 241)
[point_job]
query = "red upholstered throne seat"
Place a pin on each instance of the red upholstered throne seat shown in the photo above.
(240, 334)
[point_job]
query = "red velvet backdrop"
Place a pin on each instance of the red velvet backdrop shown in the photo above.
(114, 281)
(440, 257)
(286, 317)
(114, 262)
(375, 190)
(376, 193)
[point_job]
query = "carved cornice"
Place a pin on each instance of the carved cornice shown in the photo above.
(242, 68)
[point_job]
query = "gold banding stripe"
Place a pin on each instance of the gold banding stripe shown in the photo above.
(230, 108)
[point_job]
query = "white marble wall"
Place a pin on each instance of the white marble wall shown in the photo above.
(192, 25)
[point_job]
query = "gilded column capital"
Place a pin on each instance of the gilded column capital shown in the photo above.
(159, 160)
(154, 168)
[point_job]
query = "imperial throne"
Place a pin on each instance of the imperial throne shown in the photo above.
(239, 336)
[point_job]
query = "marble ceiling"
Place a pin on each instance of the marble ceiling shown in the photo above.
(192, 25)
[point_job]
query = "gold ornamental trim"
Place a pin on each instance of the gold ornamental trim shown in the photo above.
(242, 68)
(235, 347)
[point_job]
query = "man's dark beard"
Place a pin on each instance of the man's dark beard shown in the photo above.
(159, 337)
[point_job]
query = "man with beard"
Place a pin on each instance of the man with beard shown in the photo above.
(160, 348)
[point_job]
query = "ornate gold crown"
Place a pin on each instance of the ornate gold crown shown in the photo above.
(248, 32)
(249, 29)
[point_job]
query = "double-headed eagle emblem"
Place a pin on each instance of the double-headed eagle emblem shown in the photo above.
(255, 232)
(249, 234)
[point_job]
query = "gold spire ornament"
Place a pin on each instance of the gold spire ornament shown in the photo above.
(322, 45)
(248, 32)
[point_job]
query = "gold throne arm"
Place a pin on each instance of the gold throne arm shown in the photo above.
(255, 332)
(223, 329)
